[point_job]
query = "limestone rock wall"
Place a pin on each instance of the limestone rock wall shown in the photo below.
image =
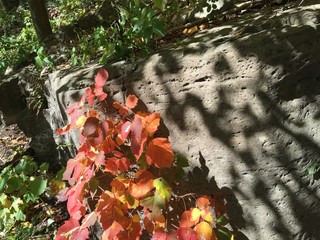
(241, 101)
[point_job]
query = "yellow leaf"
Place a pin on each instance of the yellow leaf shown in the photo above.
(56, 185)
(204, 231)
(190, 31)
(26, 224)
(80, 122)
(207, 216)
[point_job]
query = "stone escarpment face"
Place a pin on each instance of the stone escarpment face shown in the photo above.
(241, 101)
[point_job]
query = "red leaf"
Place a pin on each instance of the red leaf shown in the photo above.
(125, 130)
(108, 145)
(112, 231)
(116, 165)
(159, 153)
(101, 77)
(62, 131)
(74, 203)
(102, 96)
(89, 220)
(100, 159)
(136, 142)
(90, 127)
(143, 185)
(186, 234)
(131, 101)
(74, 169)
(67, 227)
(104, 126)
(71, 230)
(160, 234)
(133, 232)
(117, 105)
(121, 109)
(219, 204)
(90, 96)
(136, 231)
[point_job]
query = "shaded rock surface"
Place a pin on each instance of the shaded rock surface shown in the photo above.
(241, 101)
(14, 109)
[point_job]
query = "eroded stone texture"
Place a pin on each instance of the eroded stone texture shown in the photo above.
(14, 94)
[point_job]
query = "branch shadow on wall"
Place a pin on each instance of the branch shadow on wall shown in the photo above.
(199, 182)
(289, 157)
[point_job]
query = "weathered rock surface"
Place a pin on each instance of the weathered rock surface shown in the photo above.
(242, 102)
(14, 94)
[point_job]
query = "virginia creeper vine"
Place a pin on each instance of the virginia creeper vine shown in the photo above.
(116, 179)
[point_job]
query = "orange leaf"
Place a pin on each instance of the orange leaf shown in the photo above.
(131, 101)
(204, 231)
(160, 222)
(159, 153)
(151, 124)
(204, 202)
(190, 218)
(143, 186)
(62, 131)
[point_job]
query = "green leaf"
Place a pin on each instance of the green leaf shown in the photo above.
(38, 62)
(17, 204)
(60, 173)
(19, 215)
(3, 180)
(14, 184)
(23, 190)
(29, 197)
(44, 167)
(21, 166)
(161, 4)
(181, 160)
(3, 199)
(313, 168)
(224, 233)
(26, 166)
(136, 2)
(38, 186)
(162, 188)
(222, 220)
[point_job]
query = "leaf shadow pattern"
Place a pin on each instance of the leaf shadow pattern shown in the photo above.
(255, 146)
(196, 183)
(267, 170)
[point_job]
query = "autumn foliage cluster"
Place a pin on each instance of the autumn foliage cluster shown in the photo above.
(116, 181)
